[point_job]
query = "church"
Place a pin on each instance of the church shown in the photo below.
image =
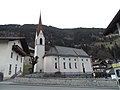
(65, 60)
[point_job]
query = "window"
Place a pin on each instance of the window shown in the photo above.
(15, 68)
(55, 58)
(69, 59)
(56, 65)
(64, 65)
(40, 41)
(75, 65)
(86, 59)
(82, 59)
(70, 66)
(83, 67)
(17, 58)
(63, 58)
(10, 67)
(11, 54)
(74, 59)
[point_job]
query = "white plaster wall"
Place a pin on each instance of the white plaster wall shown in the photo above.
(87, 64)
(49, 65)
(14, 61)
(40, 52)
(6, 60)
(67, 61)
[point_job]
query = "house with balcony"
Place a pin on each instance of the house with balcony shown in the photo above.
(12, 53)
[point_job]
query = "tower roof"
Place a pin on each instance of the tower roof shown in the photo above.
(39, 28)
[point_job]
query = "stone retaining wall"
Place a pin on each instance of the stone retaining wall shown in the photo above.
(79, 82)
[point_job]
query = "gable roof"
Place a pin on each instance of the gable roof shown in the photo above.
(22, 40)
(66, 51)
(112, 26)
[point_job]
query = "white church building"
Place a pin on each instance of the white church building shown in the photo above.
(66, 60)
(12, 52)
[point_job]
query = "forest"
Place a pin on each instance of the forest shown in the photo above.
(85, 38)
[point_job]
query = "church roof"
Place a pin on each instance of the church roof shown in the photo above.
(112, 26)
(66, 51)
(39, 28)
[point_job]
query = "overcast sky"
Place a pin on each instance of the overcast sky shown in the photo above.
(59, 13)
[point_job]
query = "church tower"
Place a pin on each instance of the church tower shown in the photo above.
(39, 47)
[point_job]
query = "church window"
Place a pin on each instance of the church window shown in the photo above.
(74, 59)
(83, 67)
(40, 41)
(64, 65)
(10, 67)
(17, 58)
(11, 54)
(75, 65)
(70, 66)
(56, 65)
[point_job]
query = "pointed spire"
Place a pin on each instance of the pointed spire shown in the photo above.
(39, 25)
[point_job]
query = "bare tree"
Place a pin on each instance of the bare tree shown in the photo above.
(34, 60)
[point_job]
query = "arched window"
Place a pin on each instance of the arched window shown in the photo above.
(64, 65)
(56, 65)
(40, 41)
(83, 67)
(70, 66)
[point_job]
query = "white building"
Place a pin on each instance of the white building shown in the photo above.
(68, 61)
(39, 48)
(12, 52)
(60, 59)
